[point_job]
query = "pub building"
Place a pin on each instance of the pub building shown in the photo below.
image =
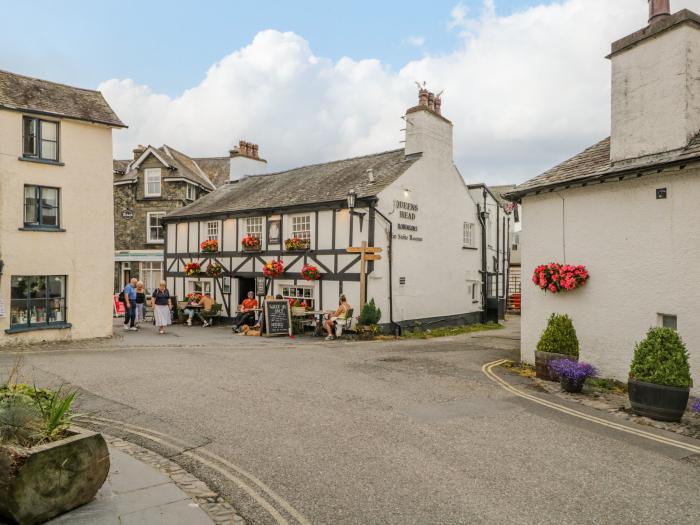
(410, 207)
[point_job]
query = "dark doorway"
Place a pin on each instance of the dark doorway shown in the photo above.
(245, 285)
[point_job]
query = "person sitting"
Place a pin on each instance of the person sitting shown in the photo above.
(340, 313)
(207, 303)
(246, 312)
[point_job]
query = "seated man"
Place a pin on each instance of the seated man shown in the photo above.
(340, 313)
(207, 302)
(245, 314)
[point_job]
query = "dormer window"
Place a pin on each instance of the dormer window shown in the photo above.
(152, 182)
(191, 192)
(40, 139)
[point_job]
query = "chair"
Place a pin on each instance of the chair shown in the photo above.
(211, 314)
(344, 323)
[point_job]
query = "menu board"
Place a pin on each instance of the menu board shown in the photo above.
(278, 319)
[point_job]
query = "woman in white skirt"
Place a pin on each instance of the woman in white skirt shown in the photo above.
(162, 305)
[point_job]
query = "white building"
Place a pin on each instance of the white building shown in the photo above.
(626, 207)
(411, 202)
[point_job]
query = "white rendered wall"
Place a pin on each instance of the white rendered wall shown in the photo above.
(642, 255)
(240, 166)
(656, 94)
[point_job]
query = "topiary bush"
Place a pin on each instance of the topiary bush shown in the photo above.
(559, 337)
(661, 358)
(370, 314)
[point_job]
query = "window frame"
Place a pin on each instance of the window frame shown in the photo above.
(149, 239)
(301, 234)
(469, 242)
(191, 194)
(38, 140)
(146, 182)
(49, 305)
(39, 225)
(208, 231)
(248, 222)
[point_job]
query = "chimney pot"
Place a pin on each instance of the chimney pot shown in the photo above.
(431, 101)
(138, 151)
(423, 97)
(255, 151)
(438, 103)
(659, 9)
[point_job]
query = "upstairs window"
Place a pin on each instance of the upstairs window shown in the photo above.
(213, 231)
(41, 207)
(301, 227)
(254, 226)
(154, 230)
(152, 182)
(468, 235)
(191, 192)
(40, 139)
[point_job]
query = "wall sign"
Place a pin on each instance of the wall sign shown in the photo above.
(127, 213)
(278, 318)
(260, 286)
(274, 232)
(406, 225)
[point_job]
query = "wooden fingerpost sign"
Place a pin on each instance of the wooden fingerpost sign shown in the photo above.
(367, 253)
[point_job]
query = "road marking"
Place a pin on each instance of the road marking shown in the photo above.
(172, 441)
(487, 369)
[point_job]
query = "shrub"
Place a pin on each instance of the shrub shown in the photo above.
(661, 358)
(370, 314)
(559, 337)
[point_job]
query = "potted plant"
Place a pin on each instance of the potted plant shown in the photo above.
(556, 278)
(251, 243)
(296, 244)
(193, 268)
(46, 468)
(214, 269)
(273, 269)
(572, 374)
(368, 322)
(558, 341)
(310, 272)
(209, 246)
(659, 381)
(298, 307)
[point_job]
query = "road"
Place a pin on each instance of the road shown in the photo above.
(397, 432)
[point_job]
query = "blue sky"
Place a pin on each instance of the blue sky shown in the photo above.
(169, 45)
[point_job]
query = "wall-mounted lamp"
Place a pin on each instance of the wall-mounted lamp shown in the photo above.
(352, 200)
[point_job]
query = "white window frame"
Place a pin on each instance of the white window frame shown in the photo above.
(468, 237)
(149, 176)
(212, 230)
(301, 226)
(254, 226)
(151, 274)
(191, 192)
(149, 239)
(203, 287)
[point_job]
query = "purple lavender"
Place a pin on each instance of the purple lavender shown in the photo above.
(573, 370)
(696, 406)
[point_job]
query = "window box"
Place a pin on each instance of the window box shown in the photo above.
(251, 243)
(295, 244)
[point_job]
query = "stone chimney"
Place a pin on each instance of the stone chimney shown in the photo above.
(655, 106)
(659, 9)
(427, 131)
(138, 151)
(245, 160)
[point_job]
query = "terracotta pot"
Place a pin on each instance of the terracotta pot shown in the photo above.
(542, 359)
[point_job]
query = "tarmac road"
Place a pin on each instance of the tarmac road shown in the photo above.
(408, 432)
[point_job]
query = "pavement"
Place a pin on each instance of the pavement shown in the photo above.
(392, 432)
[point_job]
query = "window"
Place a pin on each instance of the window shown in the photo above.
(203, 287)
(253, 226)
(37, 301)
(468, 235)
(151, 274)
(213, 230)
(40, 139)
(475, 292)
(191, 192)
(299, 293)
(152, 182)
(41, 206)
(301, 227)
(154, 227)
(516, 241)
(668, 321)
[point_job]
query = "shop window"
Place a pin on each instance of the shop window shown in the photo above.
(37, 301)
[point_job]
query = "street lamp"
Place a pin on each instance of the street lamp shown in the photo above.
(352, 200)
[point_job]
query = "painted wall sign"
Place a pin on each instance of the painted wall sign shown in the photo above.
(260, 288)
(127, 213)
(274, 232)
(407, 229)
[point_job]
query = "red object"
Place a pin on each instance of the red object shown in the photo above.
(310, 272)
(250, 241)
(273, 268)
(119, 307)
(209, 246)
(555, 278)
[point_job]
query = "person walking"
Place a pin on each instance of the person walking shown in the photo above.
(162, 306)
(130, 305)
(140, 302)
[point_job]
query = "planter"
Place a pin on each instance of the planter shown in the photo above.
(572, 386)
(252, 248)
(39, 483)
(298, 310)
(542, 360)
(661, 402)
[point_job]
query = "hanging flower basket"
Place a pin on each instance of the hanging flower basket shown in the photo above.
(273, 268)
(193, 268)
(209, 246)
(295, 244)
(214, 269)
(555, 278)
(251, 243)
(310, 272)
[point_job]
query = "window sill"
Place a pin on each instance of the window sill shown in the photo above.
(469, 248)
(52, 326)
(41, 161)
(41, 229)
(152, 196)
(155, 242)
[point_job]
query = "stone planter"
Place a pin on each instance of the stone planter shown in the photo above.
(661, 402)
(39, 483)
(542, 360)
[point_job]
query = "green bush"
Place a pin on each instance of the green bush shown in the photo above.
(661, 358)
(370, 314)
(559, 337)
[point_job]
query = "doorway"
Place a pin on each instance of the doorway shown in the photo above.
(245, 285)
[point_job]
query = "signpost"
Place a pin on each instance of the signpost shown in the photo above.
(278, 318)
(367, 253)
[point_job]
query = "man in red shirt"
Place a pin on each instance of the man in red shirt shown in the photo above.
(246, 312)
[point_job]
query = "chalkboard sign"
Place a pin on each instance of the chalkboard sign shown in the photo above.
(260, 286)
(278, 319)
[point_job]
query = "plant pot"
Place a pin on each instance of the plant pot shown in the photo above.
(661, 402)
(298, 310)
(252, 248)
(573, 386)
(542, 359)
(39, 483)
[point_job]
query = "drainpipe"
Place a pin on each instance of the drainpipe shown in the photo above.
(482, 221)
(498, 256)
(396, 326)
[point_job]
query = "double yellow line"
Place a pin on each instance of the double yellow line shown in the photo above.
(488, 370)
(244, 480)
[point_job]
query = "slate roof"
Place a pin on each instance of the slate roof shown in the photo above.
(307, 185)
(216, 168)
(21, 93)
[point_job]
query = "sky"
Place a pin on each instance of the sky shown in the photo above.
(525, 82)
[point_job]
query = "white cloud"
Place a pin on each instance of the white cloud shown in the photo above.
(416, 41)
(524, 91)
